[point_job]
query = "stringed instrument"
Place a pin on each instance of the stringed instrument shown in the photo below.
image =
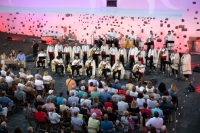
(161, 53)
(54, 63)
(88, 65)
(93, 51)
(77, 63)
(136, 69)
(116, 68)
(69, 69)
(102, 66)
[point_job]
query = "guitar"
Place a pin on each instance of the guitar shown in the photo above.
(136, 69)
(116, 68)
(102, 66)
(161, 53)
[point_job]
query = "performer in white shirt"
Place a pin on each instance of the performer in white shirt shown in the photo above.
(76, 51)
(111, 34)
(138, 70)
(58, 63)
(152, 55)
(68, 53)
(169, 37)
(175, 58)
(118, 68)
(104, 50)
(113, 54)
(132, 56)
(104, 67)
(122, 55)
(132, 36)
(186, 64)
(58, 49)
(85, 49)
(141, 55)
(163, 56)
(151, 37)
(41, 59)
(76, 65)
(50, 53)
(94, 52)
(90, 66)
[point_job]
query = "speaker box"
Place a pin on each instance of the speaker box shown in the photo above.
(196, 69)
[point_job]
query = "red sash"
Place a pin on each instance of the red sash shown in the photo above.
(59, 52)
(164, 57)
(79, 66)
(113, 57)
(141, 59)
(67, 53)
(90, 67)
(77, 54)
(84, 52)
(131, 56)
(151, 56)
(103, 52)
(121, 55)
(152, 42)
(51, 52)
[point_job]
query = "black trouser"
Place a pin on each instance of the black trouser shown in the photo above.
(112, 60)
(186, 75)
(60, 55)
(119, 74)
(84, 58)
(121, 58)
(59, 66)
(132, 60)
(162, 64)
(42, 62)
(103, 56)
(77, 54)
(95, 57)
(104, 72)
(151, 63)
(137, 75)
(67, 59)
(174, 70)
(75, 67)
(89, 71)
(51, 57)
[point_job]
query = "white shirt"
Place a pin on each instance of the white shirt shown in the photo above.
(85, 48)
(111, 90)
(60, 47)
(134, 94)
(132, 51)
(122, 106)
(151, 103)
(60, 61)
(150, 90)
(3, 73)
(133, 36)
(103, 48)
(112, 51)
(54, 117)
(41, 54)
(76, 49)
(75, 61)
(67, 49)
(155, 122)
(142, 54)
(96, 50)
(141, 68)
(29, 76)
(47, 78)
(9, 79)
(121, 51)
(22, 86)
(74, 109)
(139, 89)
(169, 37)
(140, 102)
(86, 101)
(51, 48)
(150, 36)
(39, 84)
(112, 34)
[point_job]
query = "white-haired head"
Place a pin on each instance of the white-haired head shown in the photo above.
(94, 115)
(83, 88)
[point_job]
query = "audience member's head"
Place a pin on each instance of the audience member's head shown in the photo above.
(64, 101)
(140, 95)
(17, 130)
(156, 114)
(30, 129)
(83, 88)
(94, 115)
(39, 98)
(39, 108)
(105, 117)
(149, 85)
(145, 105)
(61, 94)
(3, 124)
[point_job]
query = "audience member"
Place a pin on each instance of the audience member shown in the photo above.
(133, 92)
(107, 125)
(122, 106)
(38, 101)
(60, 98)
(128, 97)
(104, 95)
(52, 96)
(156, 109)
(173, 91)
(116, 85)
(64, 106)
(72, 98)
(139, 87)
(95, 93)
(4, 128)
(108, 103)
(17, 130)
(151, 102)
(20, 95)
(97, 111)
(76, 121)
(140, 100)
(129, 85)
(93, 124)
(48, 104)
(149, 87)
(53, 117)
(73, 108)
(92, 79)
(85, 100)
(161, 88)
(69, 83)
(82, 92)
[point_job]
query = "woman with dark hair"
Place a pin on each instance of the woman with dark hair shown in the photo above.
(166, 94)
(66, 116)
(161, 88)
(96, 101)
(108, 103)
(140, 100)
(39, 115)
(17, 130)
(27, 109)
(91, 87)
(100, 87)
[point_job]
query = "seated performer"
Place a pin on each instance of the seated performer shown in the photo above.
(76, 51)
(163, 56)
(104, 67)
(113, 54)
(118, 68)
(58, 63)
(85, 49)
(50, 53)
(122, 55)
(68, 52)
(58, 49)
(141, 55)
(132, 56)
(138, 70)
(22, 59)
(76, 65)
(152, 55)
(94, 52)
(104, 50)
(90, 66)
(169, 37)
(175, 58)
(186, 64)
(41, 59)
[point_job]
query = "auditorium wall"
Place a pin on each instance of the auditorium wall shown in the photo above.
(184, 29)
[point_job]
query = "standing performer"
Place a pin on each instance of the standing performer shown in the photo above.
(169, 37)
(76, 51)
(104, 50)
(141, 55)
(186, 64)
(58, 49)
(152, 54)
(138, 70)
(132, 36)
(113, 54)
(163, 56)
(118, 68)
(104, 67)
(68, 53)
(175, 58)
(85, 49)
(90, 66)
(50, 53)
(35, 48)
(76, 65)
(41, 59)
(132, 56)
(122, 55)
(111, 36)
(151, 37)
(94, 52)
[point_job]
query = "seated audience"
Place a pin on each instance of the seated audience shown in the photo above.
(39, 84)
(66, 118)
(72, 98)
(108, 103)
(146, 96)
(85, 100)
(60, 98)
(107, 125)
(81, 92)
(48, 104)
(4, 128)
(111, 116)
(122, 106)
(116, 97)
(128, 97)
(48, 80)
(27, 109)
(133, 92)
(139, 87)
(28, 75)
(100, 87)
(134, 107)
(74, 90)
(173, 91)
(92, 79)
(129, 85)
(3, 111)
(64, 106)
(38, 101)
(140, 100)
(93, 124)
(111, 90)
(97, 111)
(105, 95)
(122, 91)
(39, 115)
(73, 108)
(149, 87)
(151, 102)
(156, 109)
(116, 85)
(76, 121)
(95, 93)
(52, 96)
(126, 122)
(166, 94)
(20, 95)
(53, 117)
(90, 87)
(156, 95)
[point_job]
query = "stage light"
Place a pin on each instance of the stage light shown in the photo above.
(9, 38)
